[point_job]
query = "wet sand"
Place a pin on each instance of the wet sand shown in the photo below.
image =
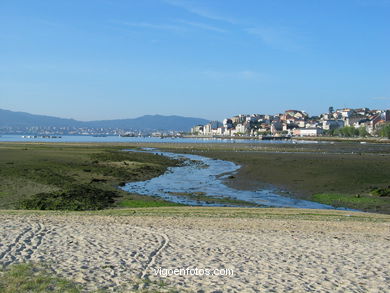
(267, 250)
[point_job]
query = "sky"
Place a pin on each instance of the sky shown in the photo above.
(109, 59)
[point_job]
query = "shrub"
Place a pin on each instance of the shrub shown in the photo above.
(347, 131)
(381, 192)
(76, 198)
(384, 131)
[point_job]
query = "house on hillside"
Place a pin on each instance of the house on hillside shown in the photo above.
(307, 131)
(332, 124)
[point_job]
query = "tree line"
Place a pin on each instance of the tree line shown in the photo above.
(350, 131)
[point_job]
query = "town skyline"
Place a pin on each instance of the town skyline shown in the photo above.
(342, 122)
(288, 122)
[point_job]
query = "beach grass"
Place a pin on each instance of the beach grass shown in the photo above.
(27, 277)
(142, 203)
(366, 202)
(38, 278)
(215, 212)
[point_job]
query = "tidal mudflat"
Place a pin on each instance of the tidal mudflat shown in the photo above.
(74, 176)
(337, 174)
(199, 181)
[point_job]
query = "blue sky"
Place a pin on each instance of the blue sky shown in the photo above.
(105, 59)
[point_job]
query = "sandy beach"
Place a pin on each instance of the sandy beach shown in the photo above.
(340, 252)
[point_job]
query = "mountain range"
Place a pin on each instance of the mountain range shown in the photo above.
(144, 123)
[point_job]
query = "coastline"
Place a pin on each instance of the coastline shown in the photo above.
(269, 249)
(305, 138)
(345, 139)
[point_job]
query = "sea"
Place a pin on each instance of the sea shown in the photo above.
(137, 139)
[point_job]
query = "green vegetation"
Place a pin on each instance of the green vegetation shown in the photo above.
(74, 177)
(381, 191)
(363, 132)
(64, 170)
(77, 198)
(202, 197)
(37, 278)
(34, 279)
(305, 169)
(218, 212)
(305, 174)
(364, 202)
(384, 131)
(349, 131)
(142, 203)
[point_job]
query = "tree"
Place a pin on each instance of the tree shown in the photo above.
(384, 131)
(363, 132)
(349, 131)
(330, 132)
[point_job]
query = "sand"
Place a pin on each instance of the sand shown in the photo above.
(265, 254)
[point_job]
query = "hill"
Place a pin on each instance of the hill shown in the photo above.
(147, 122)
(151, 122)
(23, 119)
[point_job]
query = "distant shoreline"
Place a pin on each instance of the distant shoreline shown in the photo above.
(345, 139)
(311, 138)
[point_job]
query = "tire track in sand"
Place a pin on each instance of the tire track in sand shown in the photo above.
(163, 241)
(24, 245)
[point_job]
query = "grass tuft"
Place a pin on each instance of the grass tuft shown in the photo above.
(29, 278)
(365, 202)
(142, 203)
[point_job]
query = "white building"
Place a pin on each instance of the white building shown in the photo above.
(211, 127)
(307, 131)
(242, 128)
(198, 129)
(332, 124)
(220, 131)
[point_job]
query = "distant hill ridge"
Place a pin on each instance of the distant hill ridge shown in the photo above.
(148, 122)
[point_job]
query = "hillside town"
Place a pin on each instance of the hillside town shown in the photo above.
(363, 121)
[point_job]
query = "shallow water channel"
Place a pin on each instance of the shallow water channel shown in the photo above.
(199, 182)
